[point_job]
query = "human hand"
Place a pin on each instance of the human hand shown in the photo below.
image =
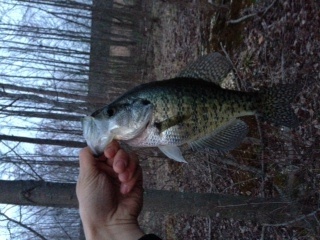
(110, 194)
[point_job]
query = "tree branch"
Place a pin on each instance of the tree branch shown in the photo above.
(23, 225)
(302, 217)
(55, 142)
(239, 20)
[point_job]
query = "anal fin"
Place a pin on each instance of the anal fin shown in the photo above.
(224, 138)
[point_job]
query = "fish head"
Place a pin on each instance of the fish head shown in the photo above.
(122, 120)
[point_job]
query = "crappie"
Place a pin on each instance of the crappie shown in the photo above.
(187, 110)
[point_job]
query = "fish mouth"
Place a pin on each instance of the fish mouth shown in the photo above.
(96, 138)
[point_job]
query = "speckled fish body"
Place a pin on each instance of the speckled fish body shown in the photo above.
(187, 109)
(190, 109)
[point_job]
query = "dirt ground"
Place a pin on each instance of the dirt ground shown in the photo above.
(269, 42)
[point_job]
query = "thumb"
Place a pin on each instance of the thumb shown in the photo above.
(87, 162)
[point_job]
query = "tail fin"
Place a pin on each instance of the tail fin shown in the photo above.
(274, 104)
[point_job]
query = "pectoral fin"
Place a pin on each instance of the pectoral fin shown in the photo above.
(173, 152)
(225, 138)
(170, 122)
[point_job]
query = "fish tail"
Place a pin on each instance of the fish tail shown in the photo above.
(274, 104)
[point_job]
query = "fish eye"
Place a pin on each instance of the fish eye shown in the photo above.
(110, 112)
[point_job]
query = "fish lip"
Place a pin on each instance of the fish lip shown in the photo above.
(95, 139)
(99, 130)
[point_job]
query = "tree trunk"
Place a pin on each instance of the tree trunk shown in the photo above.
(38, 193)
(55, 142)
(68, 107)
(158, 201)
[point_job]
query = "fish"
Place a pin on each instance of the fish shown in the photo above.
(191, 108)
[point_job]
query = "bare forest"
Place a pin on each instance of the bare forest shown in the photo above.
(61, 60)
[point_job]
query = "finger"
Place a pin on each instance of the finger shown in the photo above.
(87, 168)
(103, 167)
(121, 161)
(86, 161)
(124, 161)
(136, 180)
(110, 152)
(111, 149)
(126, 175)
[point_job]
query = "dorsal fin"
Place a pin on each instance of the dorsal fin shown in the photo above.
(212, 68)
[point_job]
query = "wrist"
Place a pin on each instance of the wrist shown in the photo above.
(114, 232)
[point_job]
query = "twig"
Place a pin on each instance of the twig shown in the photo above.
(317, 220)
(239, 20)
(23, 225)
(10, 104)
(263, 170)
(268, 8)
(282, 194)
(23, 160)
(282, 66)
(234, 68)
(262, 232)
(251, 204)
(229, 160)
(235, 21)
(292, 221)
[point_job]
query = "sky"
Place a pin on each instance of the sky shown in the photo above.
(31, 69)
